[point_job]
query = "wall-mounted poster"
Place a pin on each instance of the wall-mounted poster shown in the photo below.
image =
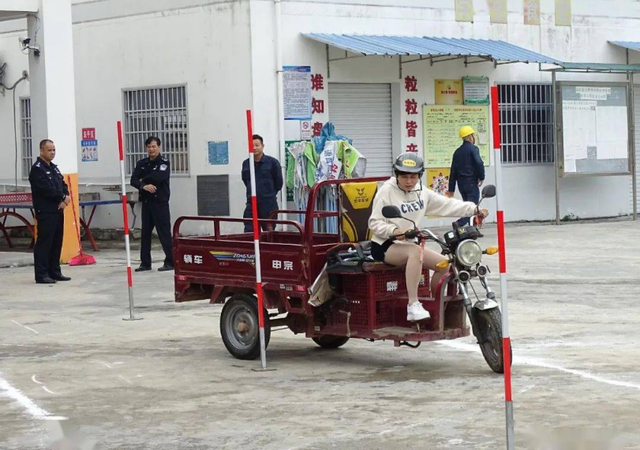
(438, 179)
(89, 145)
(532, 12)
(563, 13)
(218, 152)
(297, 92)
(448, 92)
(498, 11)
(441, 131)
(464, 10)
(476, 90)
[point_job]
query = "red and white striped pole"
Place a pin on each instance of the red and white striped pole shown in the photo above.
(506, 339)
(256, 241)
(125, 216)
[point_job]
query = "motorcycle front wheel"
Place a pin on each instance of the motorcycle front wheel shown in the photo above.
(489, 323)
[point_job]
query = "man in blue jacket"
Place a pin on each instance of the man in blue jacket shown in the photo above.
(467, 170)
(268, 184)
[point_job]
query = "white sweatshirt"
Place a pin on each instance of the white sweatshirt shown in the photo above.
(414, 205)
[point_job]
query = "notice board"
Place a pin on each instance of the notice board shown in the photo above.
(594, 129)
(296, 82)
(441, 131)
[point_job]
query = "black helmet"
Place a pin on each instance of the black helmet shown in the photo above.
(409, 162)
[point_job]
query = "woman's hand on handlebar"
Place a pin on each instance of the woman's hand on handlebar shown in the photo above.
(482, 213)
(398, 234)
(402, 235)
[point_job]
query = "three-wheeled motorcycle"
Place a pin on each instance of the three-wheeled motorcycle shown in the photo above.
(320, 280)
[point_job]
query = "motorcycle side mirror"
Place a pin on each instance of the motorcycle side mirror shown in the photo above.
(391, 212)
(489, 191)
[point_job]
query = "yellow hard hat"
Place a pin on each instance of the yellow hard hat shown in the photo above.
(466, 131)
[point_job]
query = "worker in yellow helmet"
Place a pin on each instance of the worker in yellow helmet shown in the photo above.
(467, 170)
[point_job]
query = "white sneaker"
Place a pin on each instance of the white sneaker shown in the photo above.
(416, 312)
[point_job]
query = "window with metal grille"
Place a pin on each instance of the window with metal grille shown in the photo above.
(526, 123)
(160, 112)
(25, 133)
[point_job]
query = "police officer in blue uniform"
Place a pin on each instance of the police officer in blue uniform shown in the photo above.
(50, 197)
(467, 170)
(151, 178)
(268, 184)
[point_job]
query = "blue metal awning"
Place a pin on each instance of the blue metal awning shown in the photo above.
(627, 44)
(432, 47)
(595, 68)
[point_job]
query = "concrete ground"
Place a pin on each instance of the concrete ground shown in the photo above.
(167, 382)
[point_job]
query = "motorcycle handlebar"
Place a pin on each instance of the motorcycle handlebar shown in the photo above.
(422, 234)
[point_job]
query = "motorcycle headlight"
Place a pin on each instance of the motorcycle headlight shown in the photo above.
(469, 253)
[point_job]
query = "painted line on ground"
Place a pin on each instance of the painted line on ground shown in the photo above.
(49, 391)
(33, 378)
(24, 326)
(530, 361)
(124, 379)
(32, 409)
(527, 389)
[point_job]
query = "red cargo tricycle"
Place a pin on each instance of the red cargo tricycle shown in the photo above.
(320, 280)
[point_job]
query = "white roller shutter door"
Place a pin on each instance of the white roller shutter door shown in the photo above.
(362, 112)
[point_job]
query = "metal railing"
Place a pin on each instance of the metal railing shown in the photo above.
(25, 133)
(526, 123)
(160, 112)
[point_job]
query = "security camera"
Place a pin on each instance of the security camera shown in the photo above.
(25, 44)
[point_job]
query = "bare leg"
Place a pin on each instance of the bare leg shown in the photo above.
(408, 254)
(431, 258)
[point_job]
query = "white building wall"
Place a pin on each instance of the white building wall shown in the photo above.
(205, 47)
(530, 188)
(224, 51)
(16, 63)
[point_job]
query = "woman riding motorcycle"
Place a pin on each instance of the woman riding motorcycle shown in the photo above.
(389, 244)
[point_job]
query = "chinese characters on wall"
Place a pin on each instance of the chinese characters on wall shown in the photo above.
(317, 104)
(411, 112)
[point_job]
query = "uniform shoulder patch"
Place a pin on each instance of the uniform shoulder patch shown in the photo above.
(163, 167)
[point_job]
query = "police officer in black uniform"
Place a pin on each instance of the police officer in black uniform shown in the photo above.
(467, 170)
(268, 183)
(50, 196)
(151, 178)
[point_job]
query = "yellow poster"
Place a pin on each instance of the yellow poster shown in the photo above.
(532, 12)
(498, 11)
(448, 92)
(438, 179)
(563, 13)
(441, 127)
(464, 10)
